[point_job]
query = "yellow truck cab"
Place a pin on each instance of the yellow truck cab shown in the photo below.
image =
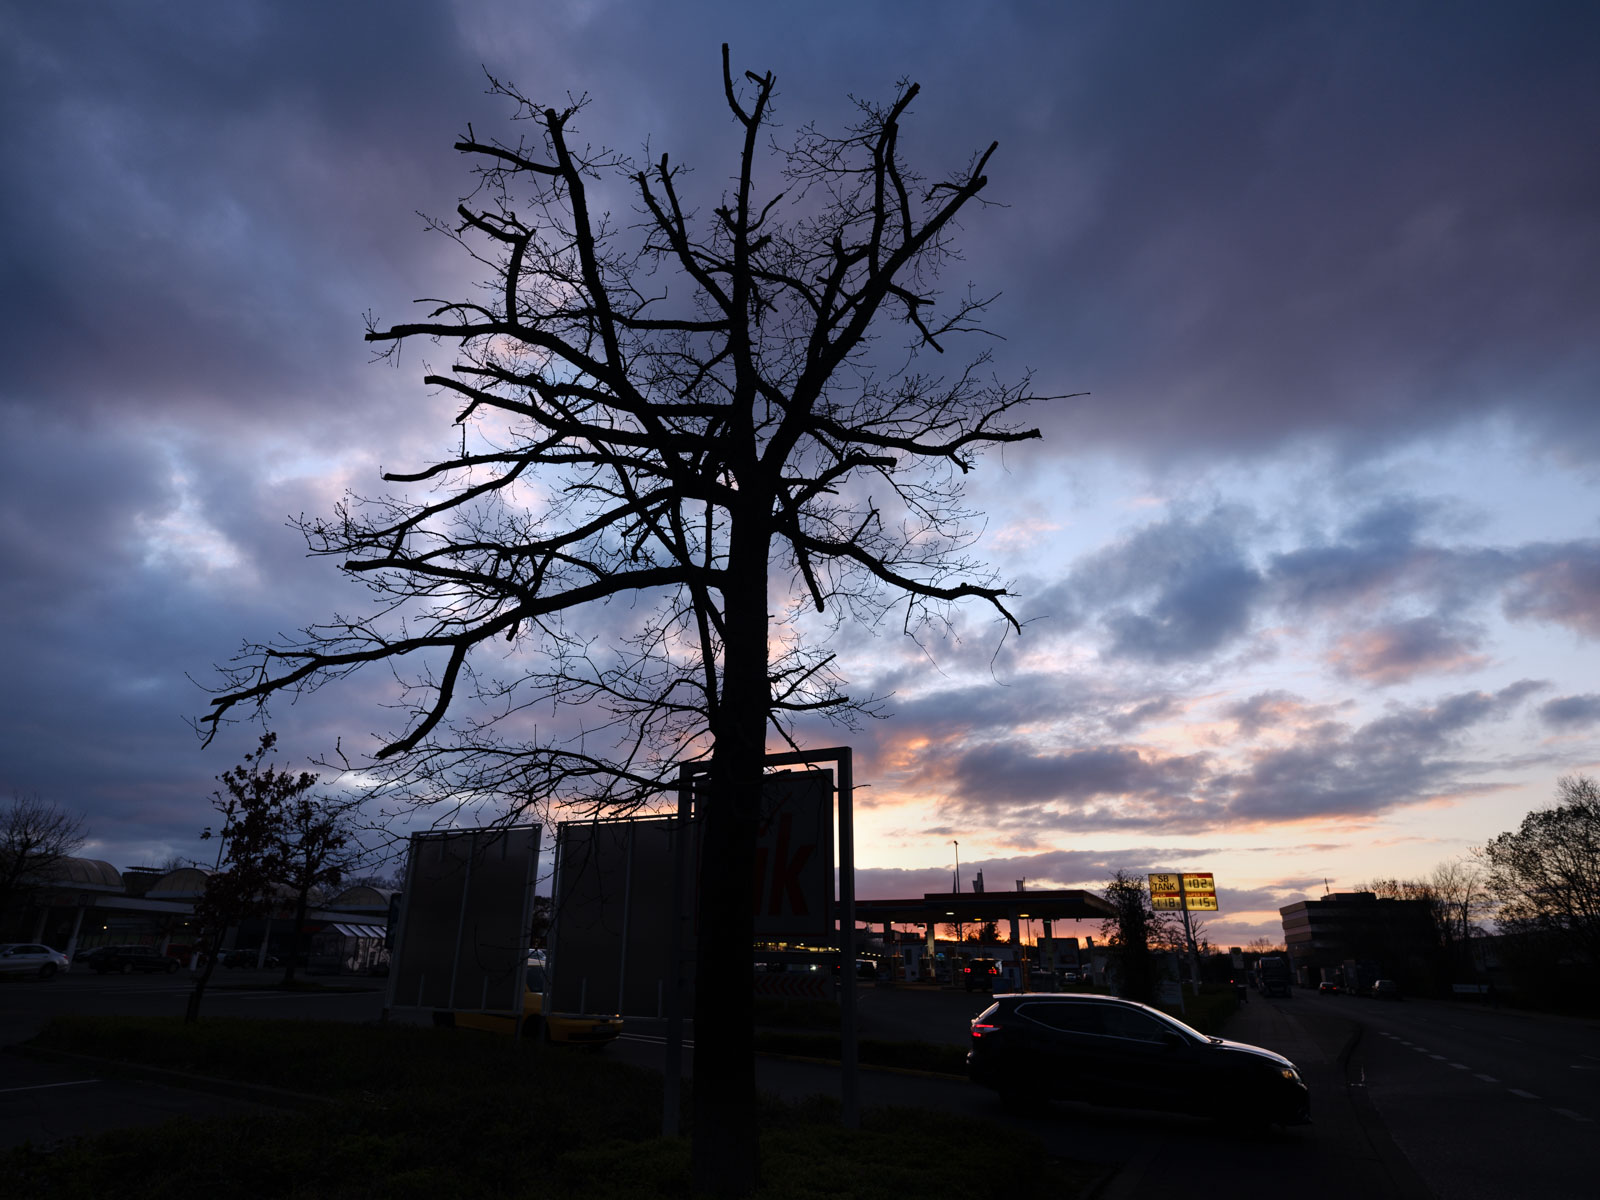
(572, 1029)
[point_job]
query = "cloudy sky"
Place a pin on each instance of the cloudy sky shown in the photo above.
(1312, 575)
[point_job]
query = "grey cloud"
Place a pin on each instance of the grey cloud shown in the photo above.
(1405, 757)
(1238, 231)
(1572, 712)
(1003, 774)
(1264, 710)
(1560, 584)
(1175, 590)
(1399, 651)
(1142, 714)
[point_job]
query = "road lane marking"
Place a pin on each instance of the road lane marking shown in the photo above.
(39, 1087)
(1488, 1078)
(1572, 1116)
(1459, 1066)
(1440, 1057)
(1523, 1094)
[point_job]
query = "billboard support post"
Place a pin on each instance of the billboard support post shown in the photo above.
(670, 1122)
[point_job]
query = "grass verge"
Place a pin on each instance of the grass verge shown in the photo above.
(910, 1056)
(421, 1112)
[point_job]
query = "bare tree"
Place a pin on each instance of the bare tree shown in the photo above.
(690, 426)
(36, 836)
(1457, 892)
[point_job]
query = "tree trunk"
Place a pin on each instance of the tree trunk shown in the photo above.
(191, 1012)
(726, 1146)
(301, 904)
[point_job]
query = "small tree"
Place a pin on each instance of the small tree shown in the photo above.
(1132, 931)
(252, 803)
(316, 848)
(35, 837)
(1544, 876)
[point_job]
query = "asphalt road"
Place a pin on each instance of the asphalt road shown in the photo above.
(1409, 1099)
(26, 1004)
(1484, 1103)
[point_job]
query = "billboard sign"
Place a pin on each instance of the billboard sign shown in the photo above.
(465, 915)
(792, 880)
(610, 940)
(611, 937)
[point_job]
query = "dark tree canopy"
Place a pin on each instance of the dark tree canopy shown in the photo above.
(1544, 876)
(1134, 931)
(693, 436)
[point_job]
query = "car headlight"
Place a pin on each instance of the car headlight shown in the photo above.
(1290, 1074)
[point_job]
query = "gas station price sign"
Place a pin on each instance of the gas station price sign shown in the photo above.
(1174, 892)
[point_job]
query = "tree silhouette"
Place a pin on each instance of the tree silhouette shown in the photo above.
(315, 848)
(1544, 876)
(688, 450)
(36, 837)
(254, 799)
(1133, 931)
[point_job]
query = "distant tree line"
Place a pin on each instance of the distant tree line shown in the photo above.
(1535, 888)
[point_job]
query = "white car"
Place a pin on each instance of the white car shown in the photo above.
(28, 958)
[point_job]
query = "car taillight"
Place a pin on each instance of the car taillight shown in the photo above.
(979, 1031)
(966, 970)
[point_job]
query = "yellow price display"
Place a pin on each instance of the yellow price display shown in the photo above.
(1170, 903)
(1205, 882)
(1201, 903)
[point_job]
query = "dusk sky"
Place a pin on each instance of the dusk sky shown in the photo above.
(1311, 576)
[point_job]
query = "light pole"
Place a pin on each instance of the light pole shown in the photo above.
(957, 845)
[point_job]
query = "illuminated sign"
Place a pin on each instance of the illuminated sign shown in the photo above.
(1192, 890)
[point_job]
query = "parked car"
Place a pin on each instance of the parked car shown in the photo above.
(1385, 989)
(1071, 1046)
(1328, 988)
(572, 1029)
(127, 959)
(30, 958)
(979, 974)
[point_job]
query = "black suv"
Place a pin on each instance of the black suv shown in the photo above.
(1063, 1046)
(127, 959)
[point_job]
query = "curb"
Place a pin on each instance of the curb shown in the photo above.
(272, 1097)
